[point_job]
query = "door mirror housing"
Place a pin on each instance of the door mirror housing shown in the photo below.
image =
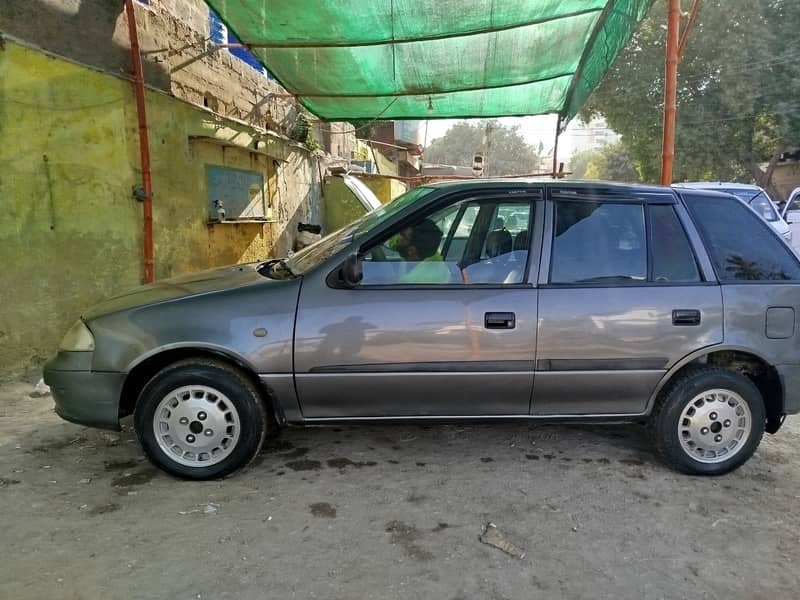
(352, 271)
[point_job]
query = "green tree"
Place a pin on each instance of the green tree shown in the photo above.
(579, 162)
(612, 162)
(738, 94)
(507, 151)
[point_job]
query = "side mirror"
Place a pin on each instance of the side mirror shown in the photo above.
(352, 270)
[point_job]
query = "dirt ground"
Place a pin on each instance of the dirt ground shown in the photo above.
(391, 512)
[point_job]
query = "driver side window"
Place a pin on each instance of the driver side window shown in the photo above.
(472, 241)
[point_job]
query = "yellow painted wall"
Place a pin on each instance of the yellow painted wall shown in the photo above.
(384, 188)
(342, 207)
(70, 232)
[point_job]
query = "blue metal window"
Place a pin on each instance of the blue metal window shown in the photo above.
(221, 35)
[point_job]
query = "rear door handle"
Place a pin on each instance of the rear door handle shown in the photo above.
(685, 317)
(499, 320)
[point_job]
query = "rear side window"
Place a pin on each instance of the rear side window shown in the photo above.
(742, 246)
(598, 242)
(672, 256)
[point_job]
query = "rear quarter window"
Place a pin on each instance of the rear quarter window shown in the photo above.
(742, 247)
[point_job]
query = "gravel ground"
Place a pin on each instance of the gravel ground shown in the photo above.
(391, 512)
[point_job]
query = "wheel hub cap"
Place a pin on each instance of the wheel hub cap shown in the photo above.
(714, 426)
(196, 426)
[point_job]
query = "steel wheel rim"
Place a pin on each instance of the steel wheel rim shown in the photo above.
(714, 426)
(196, 426)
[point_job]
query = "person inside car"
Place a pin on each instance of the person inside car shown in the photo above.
(418, 245)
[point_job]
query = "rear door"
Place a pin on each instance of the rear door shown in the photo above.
(622, 297)
(449, 334)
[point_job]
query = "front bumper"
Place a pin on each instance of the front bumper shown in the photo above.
(81, 395)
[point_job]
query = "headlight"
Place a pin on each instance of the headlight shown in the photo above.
(78, 339)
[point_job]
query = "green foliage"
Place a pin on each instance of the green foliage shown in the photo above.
(612, 162)
(508, 152)
(579, 162)
(301, 129)
(738, 92)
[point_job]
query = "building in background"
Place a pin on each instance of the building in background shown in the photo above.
(786, 176)
(222, 133)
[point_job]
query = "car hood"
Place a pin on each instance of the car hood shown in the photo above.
(780, 226)
(365, 195)
(194, 284)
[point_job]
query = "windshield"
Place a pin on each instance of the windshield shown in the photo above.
(315, 254)
(759, 202)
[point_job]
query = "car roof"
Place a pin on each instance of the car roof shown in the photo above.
(710, 185)
(566, 184)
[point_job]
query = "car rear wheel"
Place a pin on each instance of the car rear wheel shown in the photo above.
(709, 421)
(200, 419)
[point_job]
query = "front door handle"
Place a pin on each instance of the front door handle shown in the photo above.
(685, 317)
(499, 320)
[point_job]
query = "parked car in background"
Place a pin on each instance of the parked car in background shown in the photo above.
(753, 196)
(603, 303)
(790, 212)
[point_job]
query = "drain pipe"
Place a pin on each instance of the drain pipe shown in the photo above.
(144, 146)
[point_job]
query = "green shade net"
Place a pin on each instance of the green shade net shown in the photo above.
(427, 59)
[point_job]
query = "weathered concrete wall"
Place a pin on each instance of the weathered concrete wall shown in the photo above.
(70, 232)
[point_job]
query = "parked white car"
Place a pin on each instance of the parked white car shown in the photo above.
(753, 196)
(791, 213)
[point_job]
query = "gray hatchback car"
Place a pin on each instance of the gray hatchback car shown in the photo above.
(484, 300)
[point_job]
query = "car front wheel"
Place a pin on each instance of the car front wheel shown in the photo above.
(709, 421)
(200, 419)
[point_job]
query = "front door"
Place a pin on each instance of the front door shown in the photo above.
(624, 300)
(442, 324)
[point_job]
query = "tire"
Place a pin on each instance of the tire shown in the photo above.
(709, 421)
(200, 419)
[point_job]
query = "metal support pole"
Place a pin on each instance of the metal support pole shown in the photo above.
(670, 91)
(144, 144)
(555, 148)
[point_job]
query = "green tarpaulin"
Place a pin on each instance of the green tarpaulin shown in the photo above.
(425, 59)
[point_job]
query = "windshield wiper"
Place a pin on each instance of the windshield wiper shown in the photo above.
(754, 196)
